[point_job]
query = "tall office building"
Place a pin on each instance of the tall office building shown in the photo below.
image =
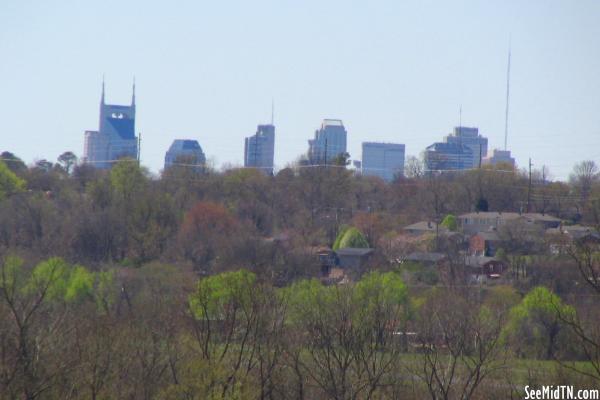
(385, 160)
(329, 142)
(465, 148)
(185, 151)
(115, 137)
(448, 156)
(259, 149)
(471, 138)
(499, 157)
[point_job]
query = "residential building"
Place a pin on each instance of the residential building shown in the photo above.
(353, 258)
(499, 157)
(385, 160)
(424, 227)
(259, 149)
(115, 137)
(476, 222)
(185, 151)
(329, 142)
(448, 156)
(484, 244)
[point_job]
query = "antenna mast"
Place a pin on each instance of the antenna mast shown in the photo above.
(507, 99)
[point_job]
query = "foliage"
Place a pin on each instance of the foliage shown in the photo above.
(9, 182)
(450, 222)
(350, 237)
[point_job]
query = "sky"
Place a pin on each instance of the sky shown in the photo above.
(393, 71)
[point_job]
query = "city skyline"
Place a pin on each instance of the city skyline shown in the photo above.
(209, 73)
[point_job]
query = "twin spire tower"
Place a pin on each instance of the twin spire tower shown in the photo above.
(115, 137)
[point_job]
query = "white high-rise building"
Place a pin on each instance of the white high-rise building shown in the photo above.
(471, 138)
(385, 160)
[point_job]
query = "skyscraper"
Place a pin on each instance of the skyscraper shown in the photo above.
(385, 160)
(115, 137)
(259, 149)
(329, 142)
(187, 152)
(471, 138)
(448, 156)
(499, 157)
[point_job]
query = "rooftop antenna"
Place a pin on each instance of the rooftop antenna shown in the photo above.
(460, 118)
(272, 111)
(102, 98)
(133, 95)
(507, 97)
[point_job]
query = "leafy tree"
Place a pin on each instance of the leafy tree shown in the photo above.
(534, 325)
(9, 182)
(14, 163)
(482, 205)
(450, 222)
(127, 178)
(350, 237)
(67, 160)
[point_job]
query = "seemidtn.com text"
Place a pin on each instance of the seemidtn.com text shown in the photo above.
(560, 392)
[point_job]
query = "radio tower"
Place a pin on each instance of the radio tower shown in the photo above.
(507, 99)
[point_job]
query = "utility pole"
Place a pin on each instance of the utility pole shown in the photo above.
(325, 152)
(529, 188)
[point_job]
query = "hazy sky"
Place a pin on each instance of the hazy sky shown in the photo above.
(394, 71)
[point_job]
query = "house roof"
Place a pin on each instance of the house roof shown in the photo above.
(480, 261)
(425, 257)
(488, 235)
(535, 217)
(426, 226)
(353, 251)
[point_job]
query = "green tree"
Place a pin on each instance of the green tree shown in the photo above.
(9, 182)
(535, 325)
(67, 160)
(450, 222)
(350, 237)
(127, 178)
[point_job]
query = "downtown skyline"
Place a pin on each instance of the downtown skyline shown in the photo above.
(401, 79)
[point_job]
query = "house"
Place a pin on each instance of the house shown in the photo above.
(336, 276)
(484, 244)
(426, 258)
(472, 223)
(484, 269)
(559, 239)
(353, 258)
(423, 227)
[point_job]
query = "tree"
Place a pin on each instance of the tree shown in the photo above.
(414, 168)
(584, 175)
(127, 179)
(534, 326)
(14, 163)
(9, 182)
(350, 237)
(450, 222)
(208, 231)
(67, 160)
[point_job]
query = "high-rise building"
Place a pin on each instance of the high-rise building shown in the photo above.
(187, 152)
(465, 148)
(499, 157)
(329, 142)
(259, 149)
(448, 156)
(115, 137)
(471, 138)
(385, 160)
